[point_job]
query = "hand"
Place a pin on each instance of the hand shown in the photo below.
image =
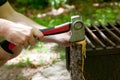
(5, 56)
(19, 34)
(63, 39)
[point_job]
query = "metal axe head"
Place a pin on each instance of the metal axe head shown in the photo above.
(77, 29)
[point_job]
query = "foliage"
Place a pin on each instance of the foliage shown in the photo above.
(33, 3)
(36, 4)
(28, 61)
(24, 62)
(51, 21)
(103, 15)
(62, 56)
(90, 1)
(21, 63)
(20, 78)
(57, 3)
(41, 63)
(39, 47)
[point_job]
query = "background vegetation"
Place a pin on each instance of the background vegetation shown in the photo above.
(92, 11)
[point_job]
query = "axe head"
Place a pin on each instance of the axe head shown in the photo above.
(77, 29)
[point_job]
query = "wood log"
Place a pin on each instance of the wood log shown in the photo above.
(77, 55)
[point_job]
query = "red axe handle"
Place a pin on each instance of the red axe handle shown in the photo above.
(8, 46)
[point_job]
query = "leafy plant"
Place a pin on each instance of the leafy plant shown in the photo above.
(33, 3)
(21, 63)
(57, 3)
(55, 61)
(62, 56)
(41, 62)
(28, 61)
(51, 21)
(21, 78)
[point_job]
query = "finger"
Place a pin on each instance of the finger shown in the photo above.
(4, 55)
(17, 50)
(38, 34)
(26, 43)
(2, 62)
(31, 41)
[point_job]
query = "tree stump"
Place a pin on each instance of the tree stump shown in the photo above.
(77, 55)
(75, 60)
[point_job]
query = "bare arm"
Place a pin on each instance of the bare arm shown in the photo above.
(7, 12)
(12, 18)
(14, 28)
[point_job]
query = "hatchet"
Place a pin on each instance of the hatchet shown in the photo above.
(75, 26)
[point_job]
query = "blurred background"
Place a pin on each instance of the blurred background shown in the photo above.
(50, 13)
(53, 12)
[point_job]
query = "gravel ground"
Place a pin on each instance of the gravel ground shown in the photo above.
(55, 72)
(34, 71)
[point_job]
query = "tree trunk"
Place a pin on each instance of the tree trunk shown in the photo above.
(75, 55)
(76, 64)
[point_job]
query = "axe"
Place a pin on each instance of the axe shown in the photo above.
(75, 26)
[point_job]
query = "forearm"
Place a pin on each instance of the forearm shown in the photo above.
(61, 39)
(20, 18)
(2, 28)
(49, 39)
(7, 12)
(4, 57)
(2, 62)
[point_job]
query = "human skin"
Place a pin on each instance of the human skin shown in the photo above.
(22, 31)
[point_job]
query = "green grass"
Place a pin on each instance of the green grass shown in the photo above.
(21, 63)
(24, 62)
(103, 15)
(41, 63)
(51, 21)
(89, 15)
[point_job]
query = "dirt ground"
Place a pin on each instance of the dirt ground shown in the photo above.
(29, 63)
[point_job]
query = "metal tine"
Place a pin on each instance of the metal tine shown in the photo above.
(104, 36)
(89, 42)
(111, 33)
(118, 23)
(95, 37)
(115, 28)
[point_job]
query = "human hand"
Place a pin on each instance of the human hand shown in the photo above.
(63, 39)
(19, 34)
(5, 56)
